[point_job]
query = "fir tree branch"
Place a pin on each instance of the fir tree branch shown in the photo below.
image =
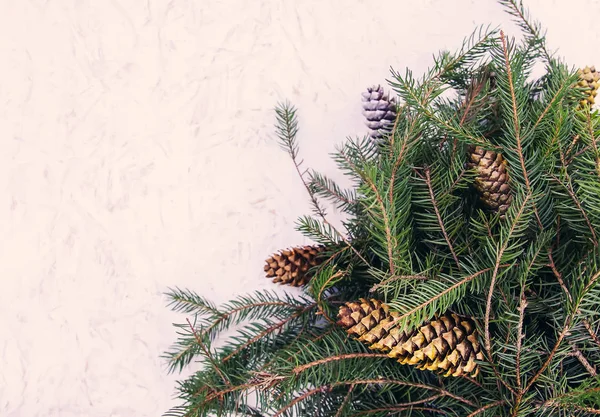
(388, 232)
(188, 301)
(517, 122)
(565, 85)
(488, 306)
(563, 333)
(558, 276)
(405, 317)
(335, 276)
(439, 217)
(590, 128)
(185, 301)
(583, 150)
(287, 129)
(533, 29)
(327, 388)
(562, 401)
(396, 278)
(207, 353)
(405, 407)
(267, 331)
(579, 207)
(486, 407)
(301, 368)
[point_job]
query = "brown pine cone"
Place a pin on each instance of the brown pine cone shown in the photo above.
(492, 180)
(293, 266)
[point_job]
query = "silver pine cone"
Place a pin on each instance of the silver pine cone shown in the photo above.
(379, 110)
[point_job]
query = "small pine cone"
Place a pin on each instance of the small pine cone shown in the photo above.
(492, 181)
(292, 266)
(589, 78)
(379, 110)
(447, 345)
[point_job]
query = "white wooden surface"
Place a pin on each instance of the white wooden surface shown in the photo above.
(137, 153)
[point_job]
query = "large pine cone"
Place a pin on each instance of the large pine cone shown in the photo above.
(492, 180)
(293, 266)
(379, 110)
(447, 345)
(589, 78)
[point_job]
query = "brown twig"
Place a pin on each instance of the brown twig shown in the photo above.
(439, 217)
(346, 399)
(593, 334)
(301, 368)
(583, 150)
(486, 407)
(400, 407)
(520, 336)
(558, 276)
(396, 278)
(582, 359)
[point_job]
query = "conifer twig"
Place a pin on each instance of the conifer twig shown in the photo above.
(486, 407)
(488, 306)
(582, 359)
(439, 217)
(396, 278)
(288, 130)
(345, 402)
(516, 122)
(591, 332)
(388, 232)
(268, 330)
(520, 337)
(579, 207)
(563, 333)
(207, 353)
(301, 368)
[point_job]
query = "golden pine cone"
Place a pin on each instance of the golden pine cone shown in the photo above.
(492, 180)
(589, 78)
(448, 344)
(292, 266)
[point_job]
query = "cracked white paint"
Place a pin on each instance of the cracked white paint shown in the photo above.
(137, 153)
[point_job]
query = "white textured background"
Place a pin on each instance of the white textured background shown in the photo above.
(137, 153)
